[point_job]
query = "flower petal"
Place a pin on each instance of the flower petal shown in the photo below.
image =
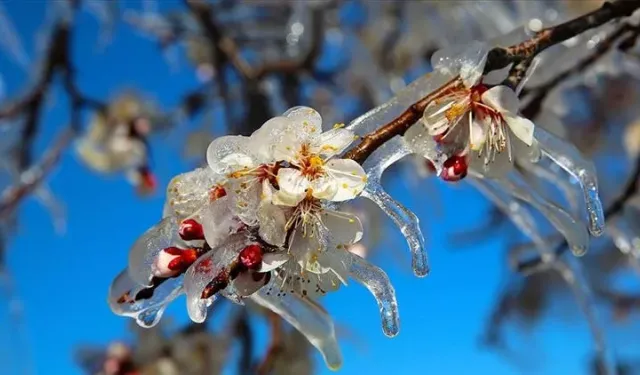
(272, 220)
(218, 221)
(271, 261)
(229, 153)
(146, 249)
(344, 228)
(349, 176)
(306, 119)
(521, 127)
(263, 141)
(324, 187)
(293, 187)
(288, 148)
(332, 142)
(501, 98)
(189, 192)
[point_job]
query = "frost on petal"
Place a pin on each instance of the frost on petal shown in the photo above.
(145, 304)
(293, 187)
(306, 243)
(188, 192)
(229, 153)
(287, 149)
(571, 160)
(145, 250)
(343, 228)
(218, 221)
(307, 317)
(272, 221)
(349, 177)
(332, 142)
(245, 199)
(204, 271)
(377, 281)
(501, 98)
(263, 140)
(307, 120)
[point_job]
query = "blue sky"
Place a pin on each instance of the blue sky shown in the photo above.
(62, 279)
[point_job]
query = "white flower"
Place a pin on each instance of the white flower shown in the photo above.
(312, 172)
(316, 240)
(473, 121)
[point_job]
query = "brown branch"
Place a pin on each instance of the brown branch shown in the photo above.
(534, 106)
(32, 178)
(497, 58)
(275, 345)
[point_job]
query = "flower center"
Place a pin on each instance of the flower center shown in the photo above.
(311, 165)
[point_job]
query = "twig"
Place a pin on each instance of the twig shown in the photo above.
(519, 54)
(31, 178)
(532, 109)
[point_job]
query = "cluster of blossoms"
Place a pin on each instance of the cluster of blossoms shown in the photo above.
(263, 222)
(266, 220)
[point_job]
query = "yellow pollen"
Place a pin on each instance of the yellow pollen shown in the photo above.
(338, 125)
(456, 110)
(315, 162)
(329, 148)
(345, 185)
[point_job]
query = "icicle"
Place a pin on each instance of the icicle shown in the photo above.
(307, 317)
(571, 271)
(552, 176)
(377, 281)
(145, 250)
(406, 221)
(569, 158)
(575, 233)
(517, 212)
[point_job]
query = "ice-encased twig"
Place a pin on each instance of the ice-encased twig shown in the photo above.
(306, 316)
(147, 312)
(377, 281)
(572, 272)
(573, 231)
(571, 160)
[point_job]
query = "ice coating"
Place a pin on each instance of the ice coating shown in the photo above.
(146, 311)
(146, 248)
(406, 221)
(555, 176)
(571, 160)
(517, 212)
(307, 317)
(466, 60)
(209, 266)
(573, 231)
(188, 192)
(377, 281)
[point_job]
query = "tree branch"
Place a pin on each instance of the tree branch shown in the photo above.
(497, 58)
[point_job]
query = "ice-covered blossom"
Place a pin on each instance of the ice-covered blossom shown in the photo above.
(263, 221)
(472, 124)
